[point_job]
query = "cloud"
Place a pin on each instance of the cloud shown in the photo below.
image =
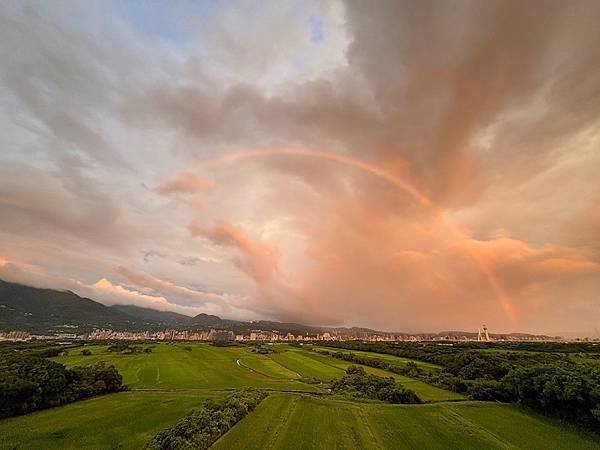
(155, 285)
(110, 293)
(184, 183)
(257, 260)
(142, 290)
(196, 260)
(150, 254)
(488, 109)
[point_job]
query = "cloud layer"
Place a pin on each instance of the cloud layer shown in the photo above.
(404, 165)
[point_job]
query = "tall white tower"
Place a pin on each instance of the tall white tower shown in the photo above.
(487, 336)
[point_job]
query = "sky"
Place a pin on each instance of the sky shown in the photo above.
(401, 165)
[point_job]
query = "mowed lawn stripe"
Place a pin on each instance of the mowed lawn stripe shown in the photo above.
(282, 421)
(317, 423)
(332, 425)
(271, 415)
(302, 363)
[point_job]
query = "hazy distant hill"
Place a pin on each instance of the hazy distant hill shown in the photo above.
(154, 317)
(33, 309)
(47, 310)
(204, 320)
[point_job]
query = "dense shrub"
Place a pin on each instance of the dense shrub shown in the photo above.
(263, 350)
(124, 348)
(356, 383)
(203, 426)
(30, 383)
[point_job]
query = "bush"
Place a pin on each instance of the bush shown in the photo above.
(124, 348)
(86, 352)
(356, 383)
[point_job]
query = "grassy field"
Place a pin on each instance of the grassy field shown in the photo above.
(126, 420)
(170, 381)
(170, 366)
(302, 422)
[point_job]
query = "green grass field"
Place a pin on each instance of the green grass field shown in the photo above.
(170, 366)
(302, 422)
(205, 367)
(170, 381)
(124, 420)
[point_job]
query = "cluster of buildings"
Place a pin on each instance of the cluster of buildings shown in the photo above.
(275, 336)
(167, 335)
(14, 336)
(211, 335)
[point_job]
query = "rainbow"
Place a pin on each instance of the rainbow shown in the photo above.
(494, 283)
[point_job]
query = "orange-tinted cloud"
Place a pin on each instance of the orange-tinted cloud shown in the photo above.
(184, 183)
(153, 285)
(257, 260)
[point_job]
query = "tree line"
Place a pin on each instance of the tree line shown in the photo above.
(357, 384)
(204, 425)
(30, 383)
(550, 383)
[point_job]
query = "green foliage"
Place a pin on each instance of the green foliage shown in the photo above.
(559, 391)
(262, 350)
(224, 343)
(125, 348)
(84, 352)
(203, 426)
(356, 383)
(30, 383)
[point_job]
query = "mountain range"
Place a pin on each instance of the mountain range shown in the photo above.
(38, 310)
(45, 311)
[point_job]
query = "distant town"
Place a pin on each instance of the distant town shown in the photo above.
(217, 335)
